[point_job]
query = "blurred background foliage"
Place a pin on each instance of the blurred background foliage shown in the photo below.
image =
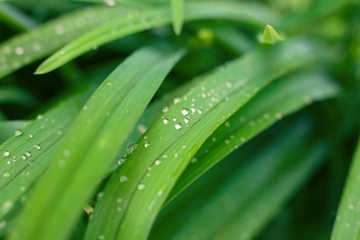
(311, 211)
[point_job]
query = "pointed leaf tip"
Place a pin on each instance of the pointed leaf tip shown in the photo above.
(270, 36)
(177, 7)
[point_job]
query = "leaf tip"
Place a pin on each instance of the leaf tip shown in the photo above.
(270, 35)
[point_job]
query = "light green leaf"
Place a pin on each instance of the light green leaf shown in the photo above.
(97, 134)
(348, 217)
(270, 105)
(154, 17)
(177, 7)
(137, 190)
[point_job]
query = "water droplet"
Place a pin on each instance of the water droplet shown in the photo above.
(28, 154)
(23, 157)
(19, 51)
(186, 120)
(132, 148)
(177, 100)
(351, 207)
(123, 178)
(165, 109)
(146, 144)
(101, 237)
(7, 206)
(31, 135)
(227, 124)
(308, 100)
(37, 146)
(6, 154)
(184, 111)
(66, 153)
(110, 3)
(157, 162)
(121, 161)
(194, 160)
(141, 128)
(165, 121)
(141, 186)
(177, 125)
(279, 116)
(59, 29)
(7, 174)
(119, 200)
(18, 132)
(3, 224)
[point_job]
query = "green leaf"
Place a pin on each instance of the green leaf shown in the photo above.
(270, 105)
(177, 7)
(94, 135)
(155, 17)
(247, 198)
(270, 36)
(32, 141)
(348, 217)
(138, 189)
(28, 47)
(7, 128)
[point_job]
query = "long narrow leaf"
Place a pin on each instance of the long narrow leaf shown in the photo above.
(154, 17)
(270, 105)
(347, 225)
(100, 129)
(152, 169)
(39, 42)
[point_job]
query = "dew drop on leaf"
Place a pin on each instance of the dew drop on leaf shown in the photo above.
(177, 125)
(7, 174)
(141, 186)
(18, 132)
(6, 154)
(165, 121)
(184, 111)
(123, 178)
(146, 144)
(165, 109)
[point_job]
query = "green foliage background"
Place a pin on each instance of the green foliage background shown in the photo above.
(179, 119)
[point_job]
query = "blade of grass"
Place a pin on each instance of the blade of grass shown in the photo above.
(177, 8)
(254, 191)
(7, 129)
(128, 209)
(76, 168)
(30, 46)
(32, 141)
(347, 224)
(270, 105)
(155, 17)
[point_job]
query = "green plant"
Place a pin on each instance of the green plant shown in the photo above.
(111, 139)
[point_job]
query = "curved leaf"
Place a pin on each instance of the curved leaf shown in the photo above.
(155, 17)
(94, 135)
(138, 189)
